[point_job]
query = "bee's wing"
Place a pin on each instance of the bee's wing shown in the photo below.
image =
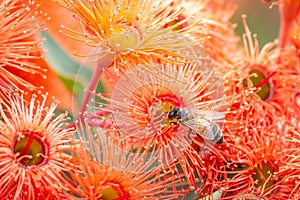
(206, 128)
(209, 114)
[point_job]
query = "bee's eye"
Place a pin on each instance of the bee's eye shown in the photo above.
(171, 114)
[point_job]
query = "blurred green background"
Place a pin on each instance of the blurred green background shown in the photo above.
(260, 18)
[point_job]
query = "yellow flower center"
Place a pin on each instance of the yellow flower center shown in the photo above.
(30, 149)
(124, 42)
(261, 81)
(263, 175)
(111, 192)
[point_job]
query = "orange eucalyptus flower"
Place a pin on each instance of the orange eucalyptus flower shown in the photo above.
(19, 48)
(31, 153)
(264, 79)
(22, 65)
(129, 31)
(137, 110)
(110, 172)
(260, 157)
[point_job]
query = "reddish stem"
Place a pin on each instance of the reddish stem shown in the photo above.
(266, 80)
(101, 65)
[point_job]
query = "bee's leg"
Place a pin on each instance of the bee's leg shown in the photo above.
(204, 144)
(189, 134)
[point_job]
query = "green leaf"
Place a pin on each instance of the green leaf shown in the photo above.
(63, 64)
(74, 75)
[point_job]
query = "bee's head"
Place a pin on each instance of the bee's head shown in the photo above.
(174, 113)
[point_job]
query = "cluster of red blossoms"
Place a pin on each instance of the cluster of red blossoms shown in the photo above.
(176, 105)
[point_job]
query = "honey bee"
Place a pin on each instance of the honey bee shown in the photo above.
(202, 122)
